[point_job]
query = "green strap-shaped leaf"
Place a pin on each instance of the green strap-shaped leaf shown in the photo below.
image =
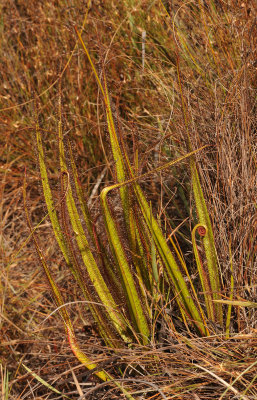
(80, 194)
(48, 196)
(203, 274)
(134, 302)
(43, 382)
(239, 303)
(208, 242)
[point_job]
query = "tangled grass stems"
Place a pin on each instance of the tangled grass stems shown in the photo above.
(198, 58)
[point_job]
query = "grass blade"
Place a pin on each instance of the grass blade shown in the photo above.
(46, 384)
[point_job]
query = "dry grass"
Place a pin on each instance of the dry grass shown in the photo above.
(37, 40)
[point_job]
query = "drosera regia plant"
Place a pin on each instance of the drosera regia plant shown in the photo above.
(135, 277)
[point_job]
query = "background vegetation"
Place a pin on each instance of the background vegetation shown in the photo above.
(192, 72)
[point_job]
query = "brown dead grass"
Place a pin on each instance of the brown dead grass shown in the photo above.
(37, 39)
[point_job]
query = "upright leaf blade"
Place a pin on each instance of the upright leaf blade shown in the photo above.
(134, 301)
(208, 242)
(48, 196)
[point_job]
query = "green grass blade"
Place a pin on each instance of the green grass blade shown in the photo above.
(46, 384)
(4, 382)
(231, 293)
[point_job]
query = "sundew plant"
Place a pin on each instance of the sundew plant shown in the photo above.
(134, 279)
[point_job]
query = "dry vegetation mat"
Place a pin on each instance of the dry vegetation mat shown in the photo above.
(128, 154)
